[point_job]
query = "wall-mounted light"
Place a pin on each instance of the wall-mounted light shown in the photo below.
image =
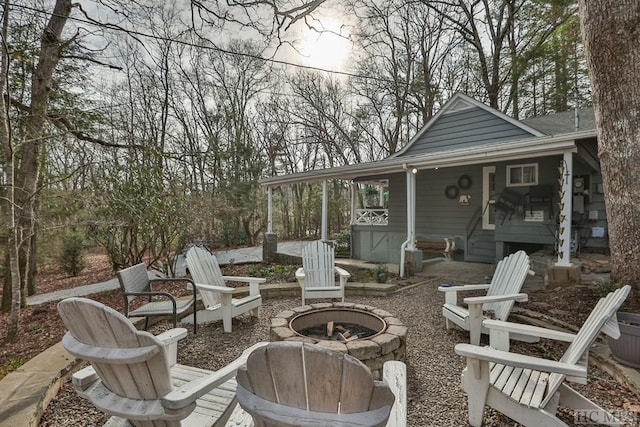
(436, 168)
(414, 170)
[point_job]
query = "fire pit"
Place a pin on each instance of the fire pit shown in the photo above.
(367, 333)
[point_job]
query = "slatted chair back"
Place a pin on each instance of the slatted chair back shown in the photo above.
(602, 318)
(318, 262)
(134, 279)
(300, 384)
(130, 363)
(508, 278)
(204, 269)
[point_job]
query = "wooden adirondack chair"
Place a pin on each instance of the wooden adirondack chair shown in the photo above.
(134, 375)
(217, 297)
(529, 389)
(135, 282)
(299, 384)
(502, 293)
(317, 276)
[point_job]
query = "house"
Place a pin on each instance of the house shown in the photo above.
(478, 179)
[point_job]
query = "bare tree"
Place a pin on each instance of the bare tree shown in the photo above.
(406, 47)
(7, 141)
(505, 36)
(612, 42)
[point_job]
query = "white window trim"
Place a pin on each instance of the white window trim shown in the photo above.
(487, 199)
(522, 166)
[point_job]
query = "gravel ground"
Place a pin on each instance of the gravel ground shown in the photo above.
(433, 369)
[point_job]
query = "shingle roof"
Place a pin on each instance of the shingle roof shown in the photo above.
(564, 122)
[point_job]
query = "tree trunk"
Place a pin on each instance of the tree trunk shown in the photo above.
(51, 47)
(5, 139)
(612, 42)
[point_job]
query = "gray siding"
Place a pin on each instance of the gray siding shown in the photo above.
(438, 217)
(514, 228)
(464, 129)
(381, 243)
(518, 230)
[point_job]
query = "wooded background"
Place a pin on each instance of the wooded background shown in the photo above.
(143, 126)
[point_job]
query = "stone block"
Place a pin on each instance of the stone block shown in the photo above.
(413, 261)
(381, 313)
(333, 345)
(563, 275)
(377, 362)
(363, 349)
(279, 322)
(281, 334)
(387, 342)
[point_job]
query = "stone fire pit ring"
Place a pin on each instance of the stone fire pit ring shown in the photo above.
(389, 342)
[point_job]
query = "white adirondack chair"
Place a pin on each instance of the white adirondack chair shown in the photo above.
(299, 384)
(317, 276)
(217, 297)
(134, 376)
(529, 389)
(502, 293)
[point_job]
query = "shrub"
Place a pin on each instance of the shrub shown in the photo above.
(607, 286)
(72, 258)
(381, 273)
(343, 243)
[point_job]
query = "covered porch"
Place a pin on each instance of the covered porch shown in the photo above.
(404, 217)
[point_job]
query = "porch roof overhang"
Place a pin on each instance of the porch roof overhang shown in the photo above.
(501, 151)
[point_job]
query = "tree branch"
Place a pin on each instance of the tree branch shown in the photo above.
(61, 121)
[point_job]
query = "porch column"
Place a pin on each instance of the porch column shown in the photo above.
(564, 226)
(325, 208)
(411, 209)
(270, 243)
(269, 210)
(353, 202)
(410, 256)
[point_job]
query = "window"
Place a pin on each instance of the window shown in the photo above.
(520, 175)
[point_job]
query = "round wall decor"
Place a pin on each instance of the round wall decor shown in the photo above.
(464, 182)
(451, 192)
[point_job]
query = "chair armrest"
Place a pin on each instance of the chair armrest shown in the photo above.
(464, 288)
(496, 298)
(451, 292)
(519, 360)
(151, 294)
(342, 272)
(84, 377)
(244, 279)
(189, 392)
(170, 340)
(172, 335)
(521, 329)
(173, 279)
(394, 374)
(213, 288)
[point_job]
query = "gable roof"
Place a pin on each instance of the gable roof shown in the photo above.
(521, 141)
(563, 122)
(465, 122)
